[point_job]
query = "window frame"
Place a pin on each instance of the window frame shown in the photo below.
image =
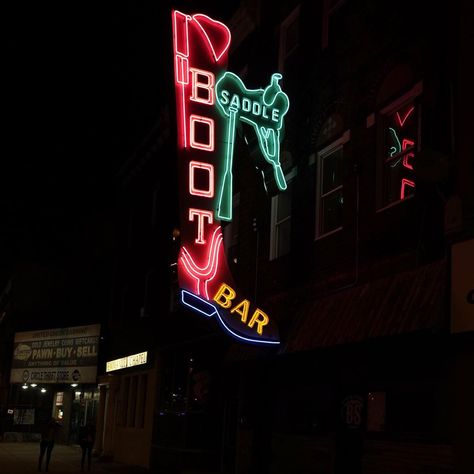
(132, 402)
(273, 219)
(320, 156)
(283, 54)
(328, 10)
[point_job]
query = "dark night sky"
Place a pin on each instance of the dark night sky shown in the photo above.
(83, 85)
(82, 89)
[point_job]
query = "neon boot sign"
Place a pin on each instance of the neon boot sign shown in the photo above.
(209, 102)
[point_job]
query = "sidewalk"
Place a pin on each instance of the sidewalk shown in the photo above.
(22, 458)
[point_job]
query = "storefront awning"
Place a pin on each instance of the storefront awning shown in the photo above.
(398, 304)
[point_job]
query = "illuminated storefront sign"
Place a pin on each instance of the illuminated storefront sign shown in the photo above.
(60, 355)
(125, 362)
(264, 110)
(401, 145)
(209, 103)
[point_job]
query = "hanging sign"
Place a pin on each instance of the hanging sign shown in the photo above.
(60, 355)
(210, 101)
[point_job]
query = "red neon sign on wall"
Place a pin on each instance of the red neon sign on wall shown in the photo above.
(200, 46)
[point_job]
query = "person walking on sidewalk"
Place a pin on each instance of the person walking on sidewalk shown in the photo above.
(86, 441)
(48, 437)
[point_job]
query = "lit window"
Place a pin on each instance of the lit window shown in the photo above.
(399, 142)
(281, 220)
(330, 189)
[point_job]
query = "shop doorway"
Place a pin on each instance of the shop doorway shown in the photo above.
(84, 410)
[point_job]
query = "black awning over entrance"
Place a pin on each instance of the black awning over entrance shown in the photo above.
(401, 303)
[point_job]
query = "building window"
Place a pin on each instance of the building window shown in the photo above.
(330, 10)
(399, 141)
(132, 401)
(132, 397)
(280, 235)
(376, 411)
(330, 189)
(123, 402)
(141, 401)
(289, 37)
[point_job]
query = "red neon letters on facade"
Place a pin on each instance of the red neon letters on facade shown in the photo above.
(207, 87)
(200, 46)
(205, 123)
(193, 190)
(202, 275)
(404, 122)
(200, 57)
(406, 183)
(401, 121)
